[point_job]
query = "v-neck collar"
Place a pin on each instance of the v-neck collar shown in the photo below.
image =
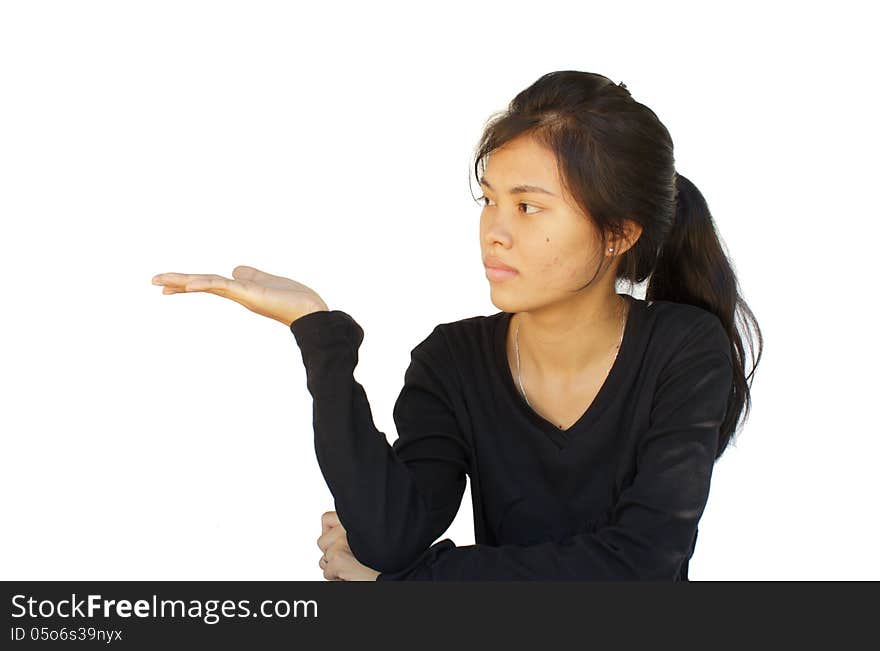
(562, 437)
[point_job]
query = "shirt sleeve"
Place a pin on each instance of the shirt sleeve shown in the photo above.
(654, 521)
(393, 501)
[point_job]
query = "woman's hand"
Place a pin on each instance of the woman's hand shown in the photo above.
(276, 297)
(338, 563)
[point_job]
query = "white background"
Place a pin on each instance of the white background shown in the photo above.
(151, 436)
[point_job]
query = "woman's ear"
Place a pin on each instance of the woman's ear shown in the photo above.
(632, 233)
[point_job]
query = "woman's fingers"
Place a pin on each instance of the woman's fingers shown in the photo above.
(278, 298)
(329, 520)
(176, 282)
(211, 283)
(330, 528)
(329, 537)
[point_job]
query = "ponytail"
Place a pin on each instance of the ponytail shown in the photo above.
(693, 267)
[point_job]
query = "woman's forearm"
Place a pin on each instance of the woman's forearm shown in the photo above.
(389, 520)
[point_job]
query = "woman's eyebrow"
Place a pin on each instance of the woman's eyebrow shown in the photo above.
(519, 189)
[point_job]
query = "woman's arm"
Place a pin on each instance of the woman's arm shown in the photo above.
(655, 519)
(393, 501)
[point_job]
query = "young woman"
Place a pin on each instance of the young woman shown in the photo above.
(588, 421)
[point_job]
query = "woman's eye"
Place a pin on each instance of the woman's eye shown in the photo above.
(486, 201)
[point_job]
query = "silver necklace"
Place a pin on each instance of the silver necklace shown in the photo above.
(516, 347)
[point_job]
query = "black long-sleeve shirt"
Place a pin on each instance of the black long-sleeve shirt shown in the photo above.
(617, 496)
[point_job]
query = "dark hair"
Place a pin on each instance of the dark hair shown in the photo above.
(615, 159)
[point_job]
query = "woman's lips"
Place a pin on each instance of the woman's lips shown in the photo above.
(498, 274)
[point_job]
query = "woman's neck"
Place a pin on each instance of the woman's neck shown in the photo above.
(560, 344)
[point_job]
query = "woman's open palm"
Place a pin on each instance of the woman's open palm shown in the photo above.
(276, 297)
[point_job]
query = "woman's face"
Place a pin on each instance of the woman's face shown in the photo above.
(552, 245)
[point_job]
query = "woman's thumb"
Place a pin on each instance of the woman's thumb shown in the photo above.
(244, 272)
